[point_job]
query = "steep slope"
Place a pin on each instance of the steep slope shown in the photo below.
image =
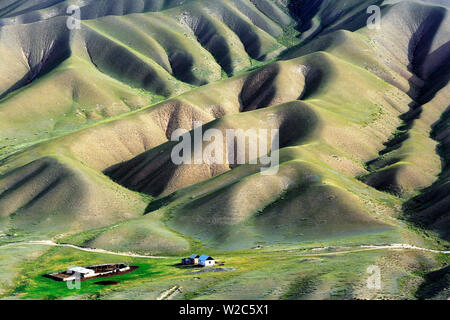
(150, 56)
(20, 12)
(319, 91)
(335, 99)
(410, 162)
(219, 210)
(430, 209)
(324, 16)
(54, 195)
(153, 173)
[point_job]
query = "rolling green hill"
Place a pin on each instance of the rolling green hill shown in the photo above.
(86, 117)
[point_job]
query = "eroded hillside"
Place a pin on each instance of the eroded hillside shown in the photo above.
(86, 118)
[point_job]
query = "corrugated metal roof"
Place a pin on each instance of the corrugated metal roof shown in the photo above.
(205, 257)
(193, 256)
(80, 270)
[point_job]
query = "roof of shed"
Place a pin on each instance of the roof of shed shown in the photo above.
(205, 257)
(80, 270)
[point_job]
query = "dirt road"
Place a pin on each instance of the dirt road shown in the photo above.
(54, 244)
(395, 246)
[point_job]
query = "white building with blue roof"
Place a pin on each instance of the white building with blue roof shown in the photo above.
(206, 261)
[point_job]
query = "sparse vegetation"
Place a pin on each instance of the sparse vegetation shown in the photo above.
(86, 115)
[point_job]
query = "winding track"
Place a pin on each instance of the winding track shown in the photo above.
(54, 244)
(395, 246)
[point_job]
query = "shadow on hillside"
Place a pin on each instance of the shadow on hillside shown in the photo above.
(419, 49)
(430, 209)
(305, 12)
(435, 283)
(52, 57)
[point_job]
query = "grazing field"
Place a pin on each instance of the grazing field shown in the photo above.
(305, 273)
